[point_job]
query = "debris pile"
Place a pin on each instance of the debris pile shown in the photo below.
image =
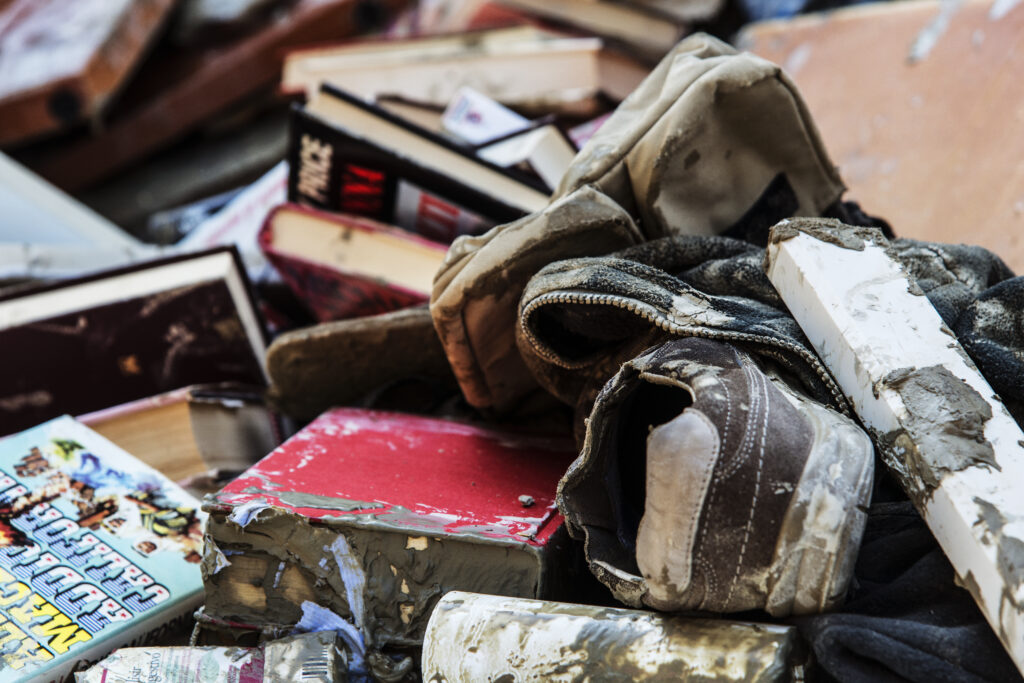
(468, 340)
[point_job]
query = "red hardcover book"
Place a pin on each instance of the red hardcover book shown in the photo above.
(375, 515)
(344, 266)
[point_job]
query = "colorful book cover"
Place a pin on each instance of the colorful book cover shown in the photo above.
(97, 550)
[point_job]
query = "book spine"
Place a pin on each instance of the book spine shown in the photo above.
(320, 175)
(331, 170)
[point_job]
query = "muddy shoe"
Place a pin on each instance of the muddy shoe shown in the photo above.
(707, 483)
(351, 362)
(712, 142)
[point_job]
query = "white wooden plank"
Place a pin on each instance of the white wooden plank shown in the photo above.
(944, 432)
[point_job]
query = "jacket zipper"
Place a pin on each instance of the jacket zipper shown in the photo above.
(661, 321)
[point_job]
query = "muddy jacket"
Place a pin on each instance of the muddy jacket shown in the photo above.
(711, 142)
(580, 319)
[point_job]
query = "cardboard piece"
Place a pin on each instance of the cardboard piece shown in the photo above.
(916, 102)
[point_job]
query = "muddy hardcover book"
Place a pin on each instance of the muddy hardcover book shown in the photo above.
(374, 516)
(97, 550)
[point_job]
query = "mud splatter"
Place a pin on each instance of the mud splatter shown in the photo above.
(944, 430)
(827, 230)
(1009, 557)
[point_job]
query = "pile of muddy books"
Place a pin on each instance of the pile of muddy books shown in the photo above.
(525, 341)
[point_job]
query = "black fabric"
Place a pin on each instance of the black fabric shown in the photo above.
(991, 329)
(906, 619)
(778, 201)
(951, 275)
(568, 315)
(971, 288)
(722, 266)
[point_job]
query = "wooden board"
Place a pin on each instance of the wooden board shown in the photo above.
(182, 89)
(939, 426)
(61, 62)
(932, 143)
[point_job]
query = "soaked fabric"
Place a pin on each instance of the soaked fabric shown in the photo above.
(715, 286)
(580, 319)
(991, 329)
(952, 275)
(906, 619)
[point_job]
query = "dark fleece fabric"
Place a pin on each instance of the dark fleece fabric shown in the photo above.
(906, 619)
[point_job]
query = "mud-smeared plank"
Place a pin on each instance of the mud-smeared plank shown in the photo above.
(939, 425)
(473, 637)
(919, 136)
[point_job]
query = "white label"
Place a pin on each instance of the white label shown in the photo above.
(432, 217)
(476, 118)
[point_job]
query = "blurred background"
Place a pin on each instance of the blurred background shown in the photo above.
(157, 115)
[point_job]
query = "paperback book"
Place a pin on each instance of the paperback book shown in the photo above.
(353, 157)
(97, 550)
(344, 266)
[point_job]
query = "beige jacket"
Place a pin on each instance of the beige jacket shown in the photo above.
(689, 152)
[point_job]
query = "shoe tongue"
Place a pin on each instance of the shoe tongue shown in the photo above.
(648, 407)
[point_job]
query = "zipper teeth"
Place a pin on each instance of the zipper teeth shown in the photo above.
(658, 319)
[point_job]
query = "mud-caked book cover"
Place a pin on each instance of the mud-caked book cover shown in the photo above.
(97, 550)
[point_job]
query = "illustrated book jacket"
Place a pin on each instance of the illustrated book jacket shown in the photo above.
(97, 551)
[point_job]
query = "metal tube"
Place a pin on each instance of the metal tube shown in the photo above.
(472, 637)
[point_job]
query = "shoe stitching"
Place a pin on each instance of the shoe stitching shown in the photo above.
(746, 445)
(707, 572)
(711, 582)
(728, 412)
(757, 489)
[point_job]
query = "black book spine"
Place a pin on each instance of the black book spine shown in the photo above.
(324, 173)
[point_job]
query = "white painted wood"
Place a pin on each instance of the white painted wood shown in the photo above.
(858, 312)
